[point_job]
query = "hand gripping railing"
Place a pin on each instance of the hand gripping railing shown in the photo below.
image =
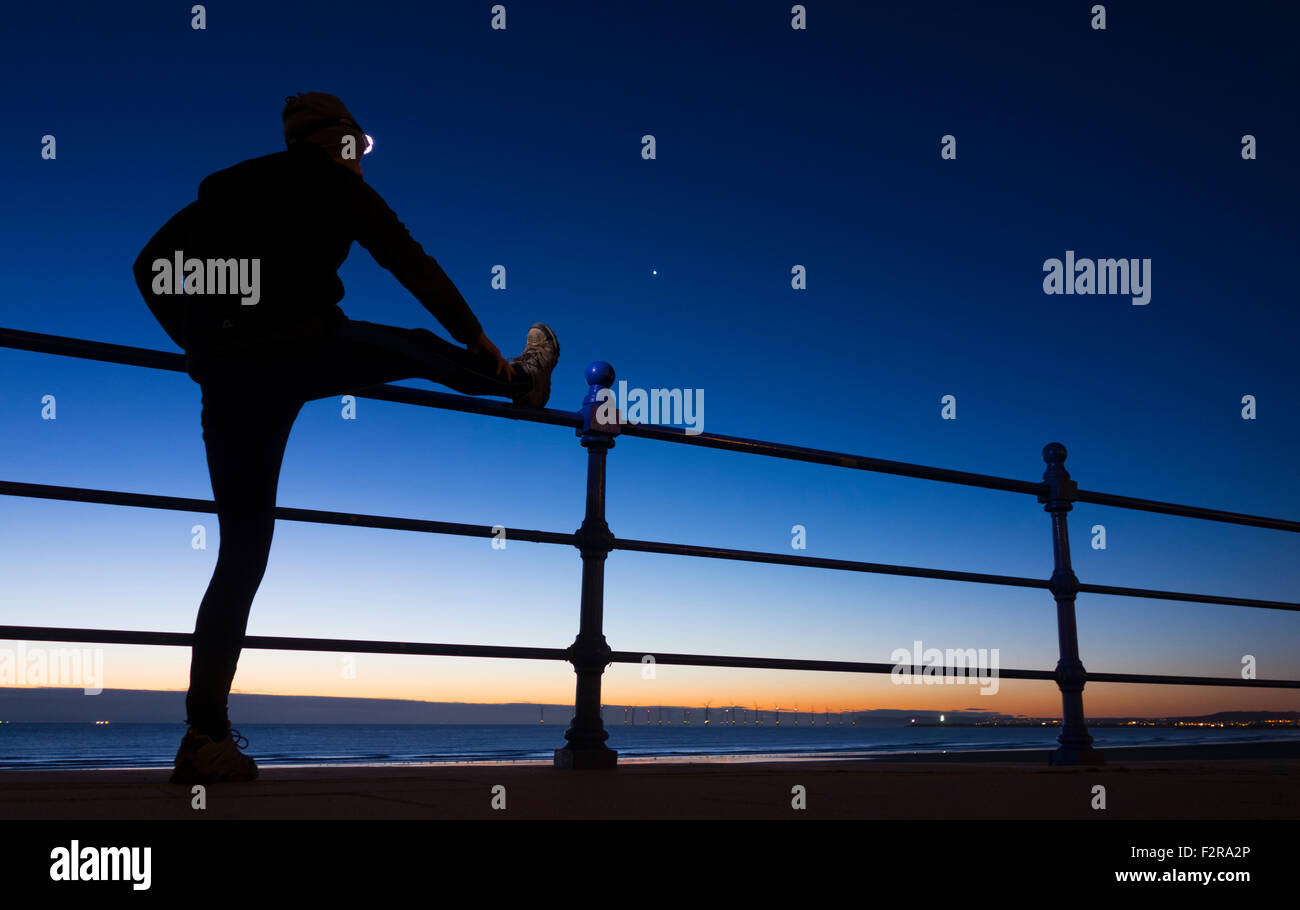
(590, 653)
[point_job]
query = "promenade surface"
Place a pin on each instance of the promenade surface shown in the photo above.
(1250, 781)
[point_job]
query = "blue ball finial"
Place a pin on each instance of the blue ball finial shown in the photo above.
(600, 374)
(1054, 453)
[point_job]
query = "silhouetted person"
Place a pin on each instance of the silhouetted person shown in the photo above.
(273, 338)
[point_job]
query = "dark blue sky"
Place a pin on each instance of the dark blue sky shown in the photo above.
(774, 148)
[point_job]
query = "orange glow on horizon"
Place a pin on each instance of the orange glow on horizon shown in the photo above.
(480, 681)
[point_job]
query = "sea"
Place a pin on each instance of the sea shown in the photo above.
(128, 745)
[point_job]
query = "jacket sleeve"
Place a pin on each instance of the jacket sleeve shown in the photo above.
(388, 240)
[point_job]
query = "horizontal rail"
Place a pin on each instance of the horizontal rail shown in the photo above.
(351, 519)
(85, 349)
(316, 516)
(880, 568)
(162, 360)
(359, 646)
(776, 663)
(826, 457)
(821, 562)
(276, 643)
(1219, 599)
(1169, 508)
(944, 475)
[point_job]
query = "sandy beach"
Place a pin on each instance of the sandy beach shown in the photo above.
(1250, 781)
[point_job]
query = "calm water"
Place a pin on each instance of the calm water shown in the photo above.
(145, 745)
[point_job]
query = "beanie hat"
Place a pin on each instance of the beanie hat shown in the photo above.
(321, 119)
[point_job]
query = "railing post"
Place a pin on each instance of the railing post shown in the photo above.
(1058, 495)
(590, 653)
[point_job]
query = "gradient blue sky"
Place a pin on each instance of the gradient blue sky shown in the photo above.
(775, 147)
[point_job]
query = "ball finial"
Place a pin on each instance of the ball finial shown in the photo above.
(599, 373)
(1054, 453)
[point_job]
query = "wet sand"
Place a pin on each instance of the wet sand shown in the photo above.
(1231, 781)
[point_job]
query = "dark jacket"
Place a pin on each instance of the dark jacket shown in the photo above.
(298, 212)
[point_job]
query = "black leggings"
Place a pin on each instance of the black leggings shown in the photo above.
(249, 406)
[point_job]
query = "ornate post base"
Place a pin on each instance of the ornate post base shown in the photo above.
(1075, 742)
(1076, 755)
(586, 749)
(586, 758)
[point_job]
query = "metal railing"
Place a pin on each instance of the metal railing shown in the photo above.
(590, 654)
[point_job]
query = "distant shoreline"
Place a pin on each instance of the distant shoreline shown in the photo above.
(1270, 750)
(71, 705)
(1258, 749)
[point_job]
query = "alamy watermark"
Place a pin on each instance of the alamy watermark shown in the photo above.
(71, 667)
(954, 666)
(209, 276)
(671, 407)
(75, 863)
(1130, 277)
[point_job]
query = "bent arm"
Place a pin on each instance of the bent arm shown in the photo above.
(388, 240)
